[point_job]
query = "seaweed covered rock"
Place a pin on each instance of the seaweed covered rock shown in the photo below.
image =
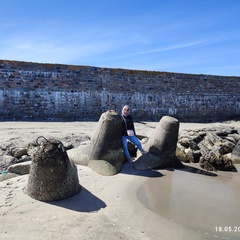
(213, 161)
(215, 148)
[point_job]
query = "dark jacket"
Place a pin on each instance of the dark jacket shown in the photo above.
(127, 124)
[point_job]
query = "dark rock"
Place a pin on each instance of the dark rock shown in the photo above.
(181, 154)
(213, 138)
(227, 146)
(224, 131)
(20, 168)
(19, 152)
(6, 161)
(214, 161)
(190, 156)
(235, 155)
(24, 158)
(235, 136)
(185, 142)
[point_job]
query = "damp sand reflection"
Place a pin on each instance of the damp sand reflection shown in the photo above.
(197, 199)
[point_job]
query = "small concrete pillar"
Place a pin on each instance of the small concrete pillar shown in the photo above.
(163, 141)
(161, 146)
(52, 175)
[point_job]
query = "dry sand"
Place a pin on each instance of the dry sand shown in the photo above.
(165, 204)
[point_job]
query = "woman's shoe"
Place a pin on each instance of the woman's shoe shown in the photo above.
(131, 160)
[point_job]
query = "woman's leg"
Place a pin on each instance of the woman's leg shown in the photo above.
(125, 148)
(136, 142)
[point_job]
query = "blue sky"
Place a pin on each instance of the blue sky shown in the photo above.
(185, 36)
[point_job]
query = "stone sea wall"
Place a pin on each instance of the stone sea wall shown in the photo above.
(45, 92)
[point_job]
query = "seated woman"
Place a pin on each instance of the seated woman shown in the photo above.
(129, 134)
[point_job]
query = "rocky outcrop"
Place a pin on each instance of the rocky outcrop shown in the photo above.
(214, 148)
(11, 158)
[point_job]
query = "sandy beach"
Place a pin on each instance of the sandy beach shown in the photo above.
(168, 204)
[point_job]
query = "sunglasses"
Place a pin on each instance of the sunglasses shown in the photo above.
(127, 110)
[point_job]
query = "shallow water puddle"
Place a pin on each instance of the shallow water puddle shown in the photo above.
(209, 204)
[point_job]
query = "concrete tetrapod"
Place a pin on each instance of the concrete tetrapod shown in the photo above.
(161, 146)
(105, 147)
(103, 153)
(52, 175)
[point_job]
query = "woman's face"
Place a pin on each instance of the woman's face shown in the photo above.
(126, 110)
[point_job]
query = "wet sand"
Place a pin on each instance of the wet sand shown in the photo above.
(205, 202)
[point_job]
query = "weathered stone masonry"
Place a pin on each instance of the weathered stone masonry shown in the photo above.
(35, 91)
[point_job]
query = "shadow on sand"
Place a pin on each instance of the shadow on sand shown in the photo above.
(84, 201)
(154, 173)
(192, 169)
(127, 168)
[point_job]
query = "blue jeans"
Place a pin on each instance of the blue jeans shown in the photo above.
(134, 140)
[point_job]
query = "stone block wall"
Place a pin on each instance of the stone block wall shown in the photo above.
(47, 92)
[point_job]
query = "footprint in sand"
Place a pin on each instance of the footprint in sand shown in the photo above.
(9, 194)
(9, 183)
(8, 204)
(9, 198)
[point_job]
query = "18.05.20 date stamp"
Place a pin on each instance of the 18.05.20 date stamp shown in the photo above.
(228, 229)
